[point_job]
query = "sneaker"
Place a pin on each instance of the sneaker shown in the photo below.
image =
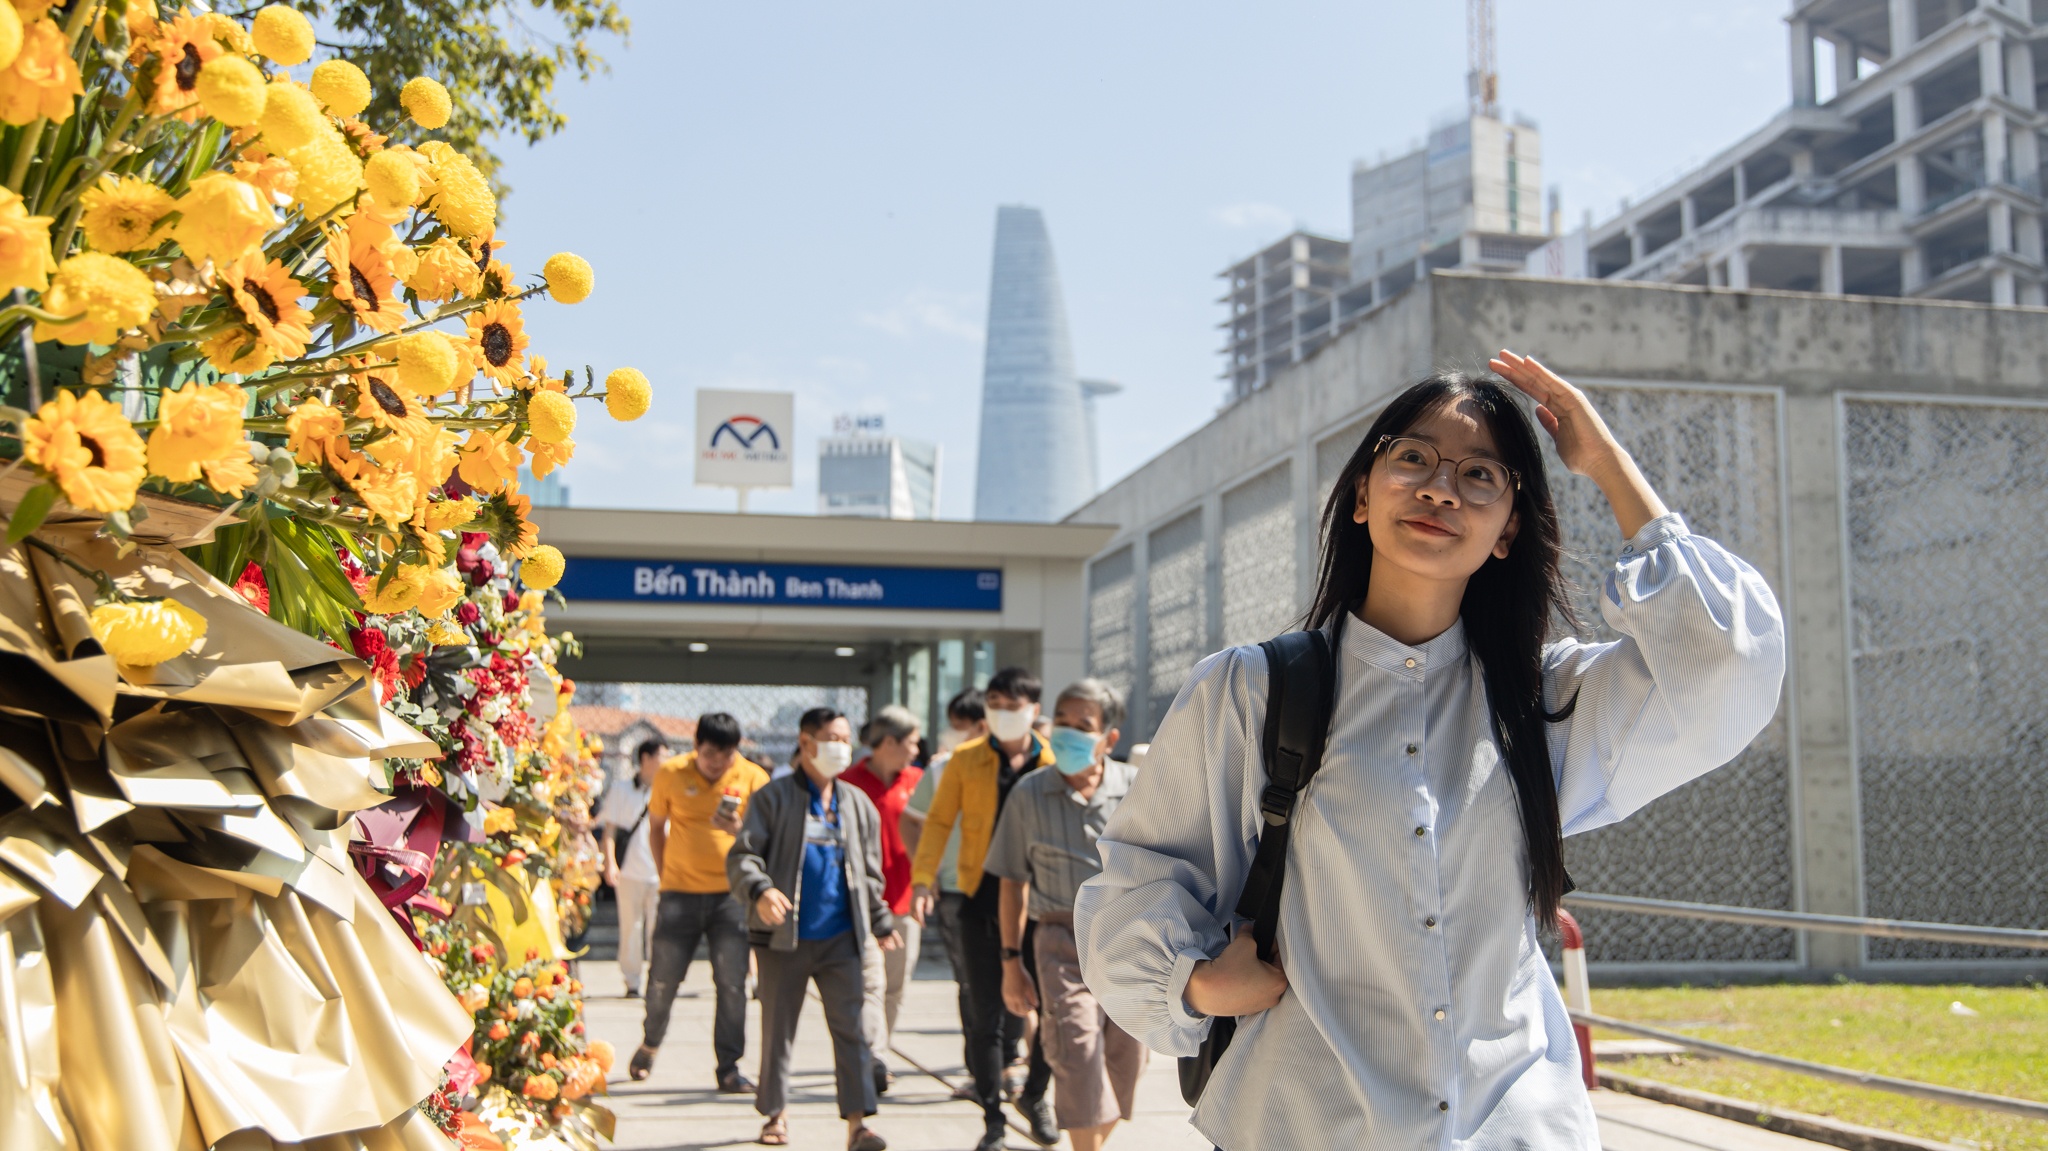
(632, 993)
(1045, 1130)
(992, 1139)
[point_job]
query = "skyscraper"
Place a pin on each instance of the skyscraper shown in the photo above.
(862, 471)
(1036, 461)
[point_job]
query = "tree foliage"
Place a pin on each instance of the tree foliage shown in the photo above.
(499, 68)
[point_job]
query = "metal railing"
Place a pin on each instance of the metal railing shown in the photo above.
(1578, 998)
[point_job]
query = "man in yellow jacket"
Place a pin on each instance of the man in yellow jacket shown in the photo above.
(971, 793)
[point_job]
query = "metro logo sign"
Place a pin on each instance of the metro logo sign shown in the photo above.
(744, 439)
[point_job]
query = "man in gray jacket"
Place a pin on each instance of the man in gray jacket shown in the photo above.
(808, 867)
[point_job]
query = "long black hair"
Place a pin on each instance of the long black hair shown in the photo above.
(1507, 608)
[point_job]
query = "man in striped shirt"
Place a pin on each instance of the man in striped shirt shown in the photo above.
(1043, 850)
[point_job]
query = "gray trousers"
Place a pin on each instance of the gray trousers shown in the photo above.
(684, 918)
(835, 966)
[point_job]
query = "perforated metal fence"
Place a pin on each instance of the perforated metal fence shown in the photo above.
(1258, 557)
(1727, 837)
(1112, 621)
(1177, 609)
(1948, 579)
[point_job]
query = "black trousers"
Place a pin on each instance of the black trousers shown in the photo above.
(835, 966)
(683, 918)
(974, 946)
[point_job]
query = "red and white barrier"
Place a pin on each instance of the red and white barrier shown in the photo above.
(1578, 992)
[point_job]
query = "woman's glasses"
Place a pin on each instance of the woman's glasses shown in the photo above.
(1479, 480)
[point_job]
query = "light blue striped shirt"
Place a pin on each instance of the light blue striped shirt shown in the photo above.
(1420, 1012)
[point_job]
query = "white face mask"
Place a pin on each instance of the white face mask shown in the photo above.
(832, 757)
(1013, 725)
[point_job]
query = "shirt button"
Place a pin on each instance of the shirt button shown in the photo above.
(1443, 1106)
(1408, 663)
(1412, 749)
(1420, 832)
(1439, 1013)
(1430, 922)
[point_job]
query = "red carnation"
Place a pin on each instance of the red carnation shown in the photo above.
(467, 614)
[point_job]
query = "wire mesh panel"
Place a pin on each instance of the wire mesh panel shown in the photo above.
(1258, 558)
(1112, 628)
(1726, 837)
(1176, 611)
(1948, 572)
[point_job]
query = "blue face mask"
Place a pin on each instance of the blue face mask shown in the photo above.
(1073, 752)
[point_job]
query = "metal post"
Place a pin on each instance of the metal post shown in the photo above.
(1578, 990)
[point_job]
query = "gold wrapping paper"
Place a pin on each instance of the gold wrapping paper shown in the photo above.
(188, 960)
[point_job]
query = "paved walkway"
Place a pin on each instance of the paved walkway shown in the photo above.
(677, 1109)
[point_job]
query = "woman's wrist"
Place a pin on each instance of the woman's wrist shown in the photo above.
(1634, 502)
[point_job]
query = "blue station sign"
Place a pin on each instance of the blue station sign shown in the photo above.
(784, 585)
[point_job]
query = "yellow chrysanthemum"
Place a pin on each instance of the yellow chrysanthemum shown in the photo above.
(120, 213)
(426, 101)
(144, 633)
(291, 116)
(551, 416)
(388, 493)
(222, 218)
(25, 260)
(547, 457)
(489, 460)
(428, 363)
(542, 568)
(399, 592)
(462, 198)
(329, 171)
(10, 36)
(569, 277)
(89, 448)
(238, 351)
(199, 432)
(43, 79)
(231, 90)
(106, 293)
(363, 283)
(390, 408)
(282, 34)
(185, 44)
(441, 633)
(342, 87)
(393, 177)
(440, 589)
(497, 342)
(627, 394)
(446, 515)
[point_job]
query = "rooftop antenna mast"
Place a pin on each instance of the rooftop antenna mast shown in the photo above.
(1483, 79)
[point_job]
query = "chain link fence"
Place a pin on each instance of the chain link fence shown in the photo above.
(768, 714)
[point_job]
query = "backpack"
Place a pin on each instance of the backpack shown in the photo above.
(1301, 687)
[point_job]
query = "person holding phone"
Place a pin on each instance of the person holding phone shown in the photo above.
(1410, 1004)
(694, 810)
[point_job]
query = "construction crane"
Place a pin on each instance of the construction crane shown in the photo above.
(1483, 78)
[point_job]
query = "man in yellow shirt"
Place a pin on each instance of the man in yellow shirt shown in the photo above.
(693, 811)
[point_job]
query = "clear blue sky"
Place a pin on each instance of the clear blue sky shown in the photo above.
(802, 195)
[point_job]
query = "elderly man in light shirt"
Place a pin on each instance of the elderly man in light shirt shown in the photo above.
(1044, 849)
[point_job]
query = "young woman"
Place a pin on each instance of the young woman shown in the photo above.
(1412, 1006)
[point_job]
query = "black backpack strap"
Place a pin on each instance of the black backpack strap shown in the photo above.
(1301, 685)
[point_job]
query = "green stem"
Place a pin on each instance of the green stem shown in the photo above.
(105, 586)
(25, 153)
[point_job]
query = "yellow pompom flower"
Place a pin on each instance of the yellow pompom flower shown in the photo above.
(627, 394)
(291, 116)
(107, 294)
(542, 567)
(440, 590)
(120, 213)
(329, 173)
(232, 90)
(199, 433)
(144, 633)
(551, 416)
(25, 260)
(569, 277)
(342, 87)
(43, 78)
(238, 351)
(282, 34)
(426, 101)
(462, 197)
(89, 448)
(10, 36)
(393, 177)
(427, 363)
(222, 219)
(444, 270)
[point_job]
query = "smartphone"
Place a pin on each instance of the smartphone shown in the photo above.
(728, 806)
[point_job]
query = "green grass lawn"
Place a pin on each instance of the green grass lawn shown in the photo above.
(1902, 1031)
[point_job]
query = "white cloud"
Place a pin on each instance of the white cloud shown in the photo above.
(923, 310)
(1265, 217)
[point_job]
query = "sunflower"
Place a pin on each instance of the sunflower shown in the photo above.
(363, 283)
(185, 44)
(269, 299)
(391, 408)
(89, 448)
(505, 517)
(497, 342)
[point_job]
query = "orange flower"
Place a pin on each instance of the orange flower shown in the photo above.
(318, 434)
(523, 989)
(498, 1031)
(541, 1087)
(490, 461)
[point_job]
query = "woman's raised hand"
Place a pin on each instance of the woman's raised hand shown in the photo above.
(1583, 440)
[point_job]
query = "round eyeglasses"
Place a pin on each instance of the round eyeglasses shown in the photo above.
(1479, 480)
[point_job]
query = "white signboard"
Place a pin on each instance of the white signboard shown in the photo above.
(745, 439)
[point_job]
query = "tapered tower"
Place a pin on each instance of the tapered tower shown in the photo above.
(1036, 462)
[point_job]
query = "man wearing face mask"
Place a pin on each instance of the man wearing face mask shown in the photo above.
(1044, 849)
(977, 783)
(808, 867)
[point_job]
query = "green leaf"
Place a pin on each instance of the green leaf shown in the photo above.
(33, 510)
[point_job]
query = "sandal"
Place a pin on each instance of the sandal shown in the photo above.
(774, 1133)
(642, 1064)
(865, 1139)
